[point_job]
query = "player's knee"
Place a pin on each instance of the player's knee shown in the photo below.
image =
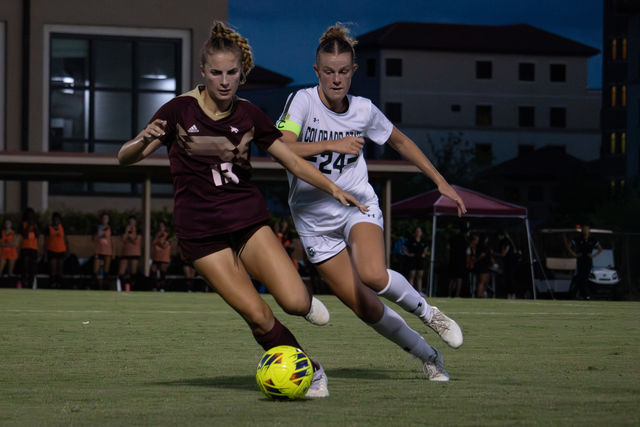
(375, 278)
(296, 305)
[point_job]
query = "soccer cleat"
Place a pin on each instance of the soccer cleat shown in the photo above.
(444, 326)
(434, 368)
(318, 314)
(319, 384)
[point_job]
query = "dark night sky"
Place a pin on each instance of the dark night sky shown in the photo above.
(284, 33)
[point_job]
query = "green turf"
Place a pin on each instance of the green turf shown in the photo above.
(107, 358)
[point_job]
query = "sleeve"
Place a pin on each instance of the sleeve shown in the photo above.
(379, 128)
(168, 112)
(295, 111)
(264, 130)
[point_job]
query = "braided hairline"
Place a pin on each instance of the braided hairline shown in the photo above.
(219, 32)
(337, 40)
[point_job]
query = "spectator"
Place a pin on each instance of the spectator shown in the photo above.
(29, 247)
(482, 263)
(457, 264)
(131, 251)
(508, 253)
(471, 254)
(8, 248)
(56, 250)
(415, 249)
(582, 248)
(103, 248)
(160, 256)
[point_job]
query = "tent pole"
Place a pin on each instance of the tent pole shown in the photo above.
(533, 282)
(433, 254)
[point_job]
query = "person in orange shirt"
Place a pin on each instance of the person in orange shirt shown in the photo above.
(29, 247)
(103, 248)
(131, 251)
(160, 255)
(8, 248)
(56, 250)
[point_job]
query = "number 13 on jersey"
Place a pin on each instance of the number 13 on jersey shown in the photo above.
(223, 174)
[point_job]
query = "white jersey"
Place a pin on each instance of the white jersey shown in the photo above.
(314, 211)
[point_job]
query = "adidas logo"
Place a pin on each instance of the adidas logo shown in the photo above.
(193, 129)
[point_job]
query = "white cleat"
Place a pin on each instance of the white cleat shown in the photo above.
(434, 368)
(318, 314)
(319, 384)
(446, 327)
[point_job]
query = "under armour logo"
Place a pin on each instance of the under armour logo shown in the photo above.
(233, 129)
(316, 120)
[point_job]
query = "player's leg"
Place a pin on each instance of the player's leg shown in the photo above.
(367, 253)
(343, 280)
(3, 263)
(266, 259)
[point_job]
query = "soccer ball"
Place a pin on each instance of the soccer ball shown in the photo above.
(284, 372)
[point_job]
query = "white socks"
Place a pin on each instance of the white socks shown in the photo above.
(400, 291)
(394, 328)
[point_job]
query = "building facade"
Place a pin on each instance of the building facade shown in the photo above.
(504, 90)
(82, 76)
(621, 93)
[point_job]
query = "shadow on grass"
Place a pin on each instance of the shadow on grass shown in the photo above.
(245, 382)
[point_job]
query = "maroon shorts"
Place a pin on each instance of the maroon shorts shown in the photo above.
(193, 249)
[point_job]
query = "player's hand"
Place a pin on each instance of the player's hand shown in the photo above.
(348, 145)
(348, 200)
(154, 130)
(446, 190)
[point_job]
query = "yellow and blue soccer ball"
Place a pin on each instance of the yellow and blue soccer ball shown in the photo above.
(284, 372)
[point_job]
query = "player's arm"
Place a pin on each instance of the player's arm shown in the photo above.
(409, 150)
(144, 144)
(599, 247)
(346, 145)
(307, 172)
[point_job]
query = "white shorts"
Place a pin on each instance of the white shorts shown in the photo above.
(324, 246)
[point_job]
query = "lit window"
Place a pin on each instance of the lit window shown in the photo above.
(623, 54)
(613, 96)
(612, 147)
(623, 142)
(614, 49)
(623, 96)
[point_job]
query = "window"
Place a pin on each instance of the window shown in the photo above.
(483, 154)
(614, 49)
(623, 96)
(483, 115)
(623, 53)
(371, 67)
(526, 116)
(613, 92)
(623, 142)
(557, 72)
(484, 69)
(558, 117)
(455, 108)
(524, 149)
(393, 111)
(103, 89)
(527, 72)
(612, 143)
(394, 67)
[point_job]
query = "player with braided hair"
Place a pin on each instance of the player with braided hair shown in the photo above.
(220, 216)
(327, 126)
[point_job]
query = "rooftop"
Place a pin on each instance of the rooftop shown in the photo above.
(519, 38)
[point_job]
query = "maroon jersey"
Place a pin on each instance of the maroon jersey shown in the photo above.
(210, 165)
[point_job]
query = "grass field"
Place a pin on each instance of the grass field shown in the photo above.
(107, 358)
